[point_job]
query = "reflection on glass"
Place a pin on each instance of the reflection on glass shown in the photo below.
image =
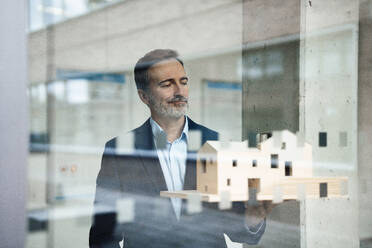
(296, 70)
(46, 12)
(77, 91)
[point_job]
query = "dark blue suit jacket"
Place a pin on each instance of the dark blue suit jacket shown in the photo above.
(138, 175)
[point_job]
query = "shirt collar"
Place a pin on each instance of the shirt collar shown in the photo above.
(158, 131)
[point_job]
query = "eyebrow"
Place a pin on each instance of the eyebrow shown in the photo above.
(171, 79)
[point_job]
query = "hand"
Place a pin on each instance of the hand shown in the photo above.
(256, 213)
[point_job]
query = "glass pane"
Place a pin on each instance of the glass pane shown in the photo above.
(199, 124)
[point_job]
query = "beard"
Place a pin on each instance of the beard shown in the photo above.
(169, 109)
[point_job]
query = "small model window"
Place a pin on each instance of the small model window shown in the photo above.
(254, 163)
(228, 182)
(211, 161)
(235, 163)
(288, 168)
(206, 188)
(283, 145)
(323, 189)
(264, 136)
(274, 161)
(322, 139)
(254, 183)
(204, 165)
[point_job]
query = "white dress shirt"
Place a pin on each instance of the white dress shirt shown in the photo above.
(172, 157)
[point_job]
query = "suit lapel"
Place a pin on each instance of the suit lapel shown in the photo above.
(145, 147)
(190, 174)
(190, 177)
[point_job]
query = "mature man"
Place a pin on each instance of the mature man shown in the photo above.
(161, 161)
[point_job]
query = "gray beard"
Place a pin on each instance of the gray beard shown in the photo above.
(165, 110)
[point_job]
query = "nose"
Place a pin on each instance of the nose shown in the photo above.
(180, 89)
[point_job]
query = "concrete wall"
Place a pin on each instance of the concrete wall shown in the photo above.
(365, 120)
(270, 66)
(270, 81)
(108, 39)
(328, 103)
(271, 88)
(306, 98)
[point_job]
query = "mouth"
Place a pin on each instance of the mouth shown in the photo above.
(178, 102)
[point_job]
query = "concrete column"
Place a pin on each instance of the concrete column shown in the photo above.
(13, 123)
(328, 108)
(365, 121)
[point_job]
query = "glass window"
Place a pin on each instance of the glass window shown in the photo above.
(217, 82)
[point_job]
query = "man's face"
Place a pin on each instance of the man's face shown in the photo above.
(168, 90)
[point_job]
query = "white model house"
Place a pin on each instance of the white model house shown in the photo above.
(277, 163)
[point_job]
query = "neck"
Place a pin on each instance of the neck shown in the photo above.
(172, 126)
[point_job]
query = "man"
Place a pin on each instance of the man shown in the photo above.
(161, 161)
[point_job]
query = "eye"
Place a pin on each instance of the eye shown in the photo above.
(184, 81)
(165, 85)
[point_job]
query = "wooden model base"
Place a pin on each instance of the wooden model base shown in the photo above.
(289, 190)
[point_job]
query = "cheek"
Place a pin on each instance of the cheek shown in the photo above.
(164, 96)
(186, 92)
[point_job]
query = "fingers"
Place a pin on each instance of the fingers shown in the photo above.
(268, 206)
(262, 209)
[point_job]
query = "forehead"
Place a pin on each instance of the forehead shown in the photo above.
(166, 69)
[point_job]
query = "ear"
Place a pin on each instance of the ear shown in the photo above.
(143, 96)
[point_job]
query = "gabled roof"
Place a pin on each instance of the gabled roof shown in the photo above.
(283, 135)
(236, 146)
(242, 146)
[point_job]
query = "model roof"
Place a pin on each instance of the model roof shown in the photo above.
(237, 146)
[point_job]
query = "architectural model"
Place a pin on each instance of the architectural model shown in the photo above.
(278, 167)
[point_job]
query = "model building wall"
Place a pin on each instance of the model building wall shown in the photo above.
(206, 172)
(234, 167)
